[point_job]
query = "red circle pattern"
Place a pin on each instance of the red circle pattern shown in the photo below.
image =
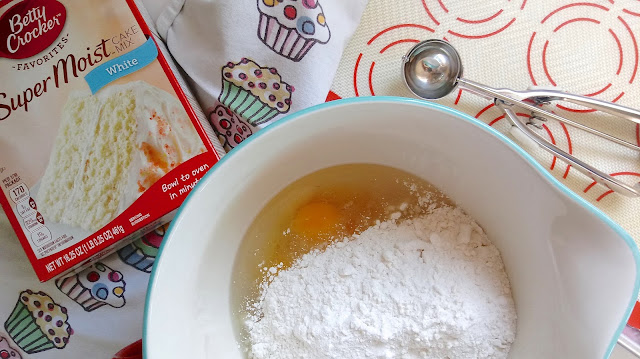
(561, 19)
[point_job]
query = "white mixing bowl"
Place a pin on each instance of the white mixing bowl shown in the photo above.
(574, 273)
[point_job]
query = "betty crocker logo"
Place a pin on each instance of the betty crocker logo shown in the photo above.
(29, 27)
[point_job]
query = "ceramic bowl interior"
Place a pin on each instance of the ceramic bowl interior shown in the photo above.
(574, 273)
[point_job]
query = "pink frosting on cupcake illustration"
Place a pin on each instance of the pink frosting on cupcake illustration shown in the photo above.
(229, 127)
(7, 352)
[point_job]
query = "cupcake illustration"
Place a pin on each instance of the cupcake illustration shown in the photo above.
(229, 127)
(292, 27)
(141, 254)
(7, 352)
(94, 287)
(253, 92)
(37, 323)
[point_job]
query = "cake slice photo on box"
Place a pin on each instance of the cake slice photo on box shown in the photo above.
(109, 149)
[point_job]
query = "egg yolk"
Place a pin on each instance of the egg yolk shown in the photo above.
(316, 219)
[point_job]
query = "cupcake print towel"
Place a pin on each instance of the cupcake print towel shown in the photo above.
(96, 313)
(252, 61)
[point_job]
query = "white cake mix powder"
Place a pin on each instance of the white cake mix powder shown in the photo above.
(432, 287)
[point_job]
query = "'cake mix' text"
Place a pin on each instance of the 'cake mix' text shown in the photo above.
(124, 40)
(66, 68)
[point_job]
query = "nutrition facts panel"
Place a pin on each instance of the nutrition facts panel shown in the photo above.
(32, 220)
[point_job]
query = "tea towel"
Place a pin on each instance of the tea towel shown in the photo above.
(252, 61)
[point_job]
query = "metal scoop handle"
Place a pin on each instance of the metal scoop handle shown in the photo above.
(433, 69)
(546, 96)
(517, 97)
(591, 172)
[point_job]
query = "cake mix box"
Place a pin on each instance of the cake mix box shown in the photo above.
(99, 139)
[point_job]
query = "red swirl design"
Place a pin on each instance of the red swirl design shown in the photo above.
(611, 23)
(560, 20)
(605, 194)
(491, 25)
(381, 43)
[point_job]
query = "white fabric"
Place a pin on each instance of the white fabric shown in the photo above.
(204, 36)
(98, 334)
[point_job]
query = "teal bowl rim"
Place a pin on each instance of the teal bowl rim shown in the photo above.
(371, 99)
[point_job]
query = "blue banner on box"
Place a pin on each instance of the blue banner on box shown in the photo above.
(122, 66)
